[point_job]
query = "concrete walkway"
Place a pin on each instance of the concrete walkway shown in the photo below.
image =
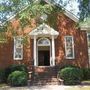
(47, 87)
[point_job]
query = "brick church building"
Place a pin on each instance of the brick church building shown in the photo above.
(57, 42)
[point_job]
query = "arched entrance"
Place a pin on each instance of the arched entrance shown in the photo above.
(44, 45)
(43, 51)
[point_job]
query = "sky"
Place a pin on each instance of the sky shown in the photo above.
(73, 6)
(70, 5)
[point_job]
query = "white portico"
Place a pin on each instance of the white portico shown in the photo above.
(44, 45)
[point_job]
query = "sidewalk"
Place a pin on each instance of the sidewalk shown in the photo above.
(48, 87)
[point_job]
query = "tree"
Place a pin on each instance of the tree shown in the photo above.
(84, 7)
(15, 7)
(24, 10)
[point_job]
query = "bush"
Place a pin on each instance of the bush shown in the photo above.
(2, 76)
(18, 78)
(68, 65)
(86, 73)
(15, 67)
(71, 75)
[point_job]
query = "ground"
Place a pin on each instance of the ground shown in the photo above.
(47, 87)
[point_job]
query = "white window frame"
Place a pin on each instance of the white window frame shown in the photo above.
(44, 43)
(66, 52)
(88, 38)
(88, 46)
(21, 47)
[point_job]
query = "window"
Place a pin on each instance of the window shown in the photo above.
(43, 42)
(88, 40)
(18, 48)
(69, 47)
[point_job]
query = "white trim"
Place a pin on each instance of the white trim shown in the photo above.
(53, 51)
(71, 16)
(50, 54)
(72, 57)
(14, 56)
(37, 54)
(34, 55)
(43, 44)
(88, 47)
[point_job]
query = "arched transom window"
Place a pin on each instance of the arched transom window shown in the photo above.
(43, 42)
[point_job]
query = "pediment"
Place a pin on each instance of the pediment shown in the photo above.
(43, 30)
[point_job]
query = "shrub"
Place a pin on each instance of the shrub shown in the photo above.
(70, 75)
(18, 78)
(86, 73)
(68, 65)
(2, 76)
(15, 67)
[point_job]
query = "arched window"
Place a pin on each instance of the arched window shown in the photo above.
(43, 42)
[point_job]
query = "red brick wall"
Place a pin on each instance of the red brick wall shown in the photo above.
(6, 54)
(67, 27)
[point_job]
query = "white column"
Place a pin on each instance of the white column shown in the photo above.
(53, 51)
(34, 54)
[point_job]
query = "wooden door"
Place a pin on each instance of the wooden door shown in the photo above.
(44, 58)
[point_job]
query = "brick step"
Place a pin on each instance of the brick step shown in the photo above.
(46, 81)
(44, 76)
(45, 69)
(46, 73)
(35, 76)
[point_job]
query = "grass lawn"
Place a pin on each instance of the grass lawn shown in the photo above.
(2, 85)
(78, 88)
(88, 81)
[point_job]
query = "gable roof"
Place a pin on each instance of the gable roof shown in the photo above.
(67, 13)
(71, 16)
